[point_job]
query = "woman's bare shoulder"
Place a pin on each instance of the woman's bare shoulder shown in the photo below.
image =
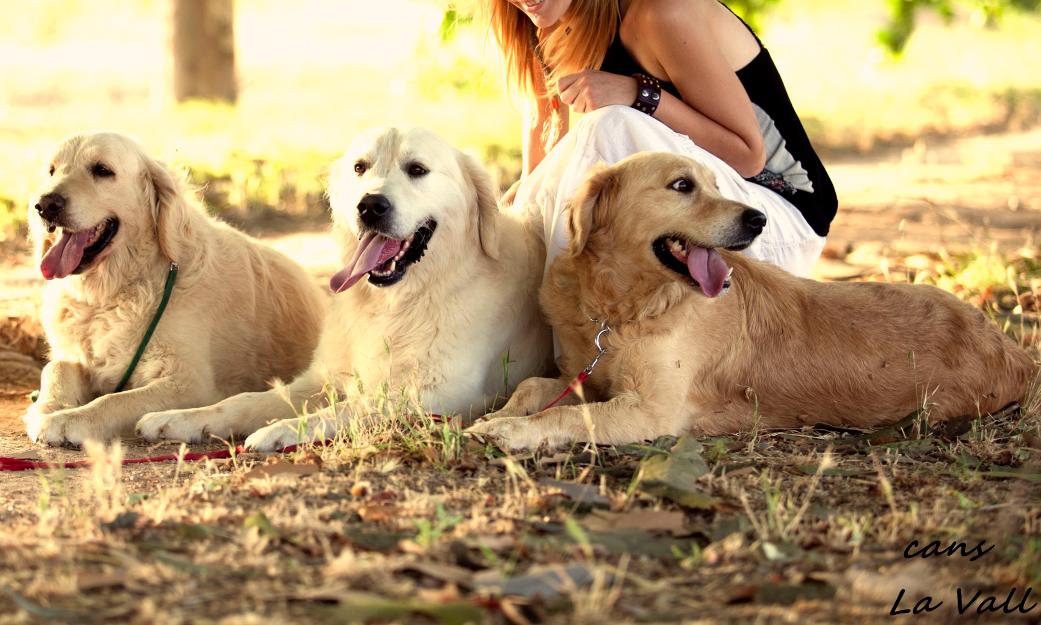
(676, 24)
(655, 14)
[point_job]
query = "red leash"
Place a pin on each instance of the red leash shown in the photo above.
(19, 464)
(571, 388)
(588, 371)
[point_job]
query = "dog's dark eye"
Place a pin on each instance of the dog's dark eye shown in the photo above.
(361, 167)
(98, 170)
(683, 185)
(416, 170)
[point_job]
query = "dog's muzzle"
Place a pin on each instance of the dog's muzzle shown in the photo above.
(375, 210)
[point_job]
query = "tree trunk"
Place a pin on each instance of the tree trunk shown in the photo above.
(203, 49)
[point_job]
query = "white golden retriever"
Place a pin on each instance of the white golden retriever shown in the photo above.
(106, 231)
(438, 291)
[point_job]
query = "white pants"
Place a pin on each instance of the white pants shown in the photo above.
(612, 133)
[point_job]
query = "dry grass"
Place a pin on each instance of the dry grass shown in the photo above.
(402, 519)
(805, 524)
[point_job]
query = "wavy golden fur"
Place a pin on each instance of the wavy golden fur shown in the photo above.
(438, 337)
(776, 351)
(240, 315)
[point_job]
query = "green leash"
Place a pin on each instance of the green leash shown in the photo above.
(171, 277)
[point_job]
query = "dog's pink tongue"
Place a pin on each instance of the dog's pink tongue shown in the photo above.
(708, 269)
(373, 251)
(65, 255)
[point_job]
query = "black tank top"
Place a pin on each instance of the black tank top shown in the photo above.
(792, 168)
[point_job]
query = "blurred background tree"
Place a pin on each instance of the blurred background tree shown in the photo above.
(202, 50)
(305, 76)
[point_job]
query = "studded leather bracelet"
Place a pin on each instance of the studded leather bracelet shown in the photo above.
(648, 94)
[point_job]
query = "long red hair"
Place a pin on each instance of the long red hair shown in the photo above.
(537, 58)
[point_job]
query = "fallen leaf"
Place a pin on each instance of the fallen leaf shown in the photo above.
(124, 520)
(725, 525)
(383, 542)
(673, 476)
(586, 494)
(916, 579)
(546, 582)
(639, 542)
(641, 519)
(379, 513)
(813, 469)
(280, 468)
(94, 581)
(781, 552)
(907, 428)
(736, 469)
(259, 521)
(455, 575)
(1021, 474)
(359, 607)
(50, 615)
(787, 594)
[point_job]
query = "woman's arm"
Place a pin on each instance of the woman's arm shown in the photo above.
(538, 113)
(715, 110)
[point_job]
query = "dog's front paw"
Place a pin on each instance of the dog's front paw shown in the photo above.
(509, 433)
(34, 420)
(57, 428)
(190, 426)
(287, 432)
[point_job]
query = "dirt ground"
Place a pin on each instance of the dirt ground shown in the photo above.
(414, 524)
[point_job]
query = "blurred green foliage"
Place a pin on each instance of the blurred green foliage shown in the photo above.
(752, 11)
(263, 162)
(893, 35)
(903, 14)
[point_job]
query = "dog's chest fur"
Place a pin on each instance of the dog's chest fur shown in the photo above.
(100, 337)
(377, 349)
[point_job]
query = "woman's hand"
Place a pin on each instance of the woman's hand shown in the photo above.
(591, 89)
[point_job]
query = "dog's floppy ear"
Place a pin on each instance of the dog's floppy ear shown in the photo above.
(584, 206)
(173, 218)
(487, 207)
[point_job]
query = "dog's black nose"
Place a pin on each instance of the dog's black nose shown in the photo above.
(373, 207)
(50, 206)
(753, 220)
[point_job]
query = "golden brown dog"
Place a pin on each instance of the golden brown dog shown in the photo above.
(706, 340)
(107, 226)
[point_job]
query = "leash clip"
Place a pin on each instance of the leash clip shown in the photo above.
(601, 350)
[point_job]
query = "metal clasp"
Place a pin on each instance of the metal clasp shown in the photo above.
(600, 349)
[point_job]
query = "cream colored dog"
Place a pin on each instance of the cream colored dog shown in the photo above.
(439, 290)
(648, 258)
(106, 230)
